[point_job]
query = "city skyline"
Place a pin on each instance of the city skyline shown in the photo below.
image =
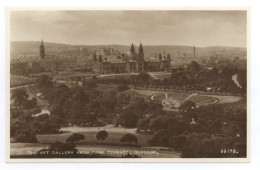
(188, 28)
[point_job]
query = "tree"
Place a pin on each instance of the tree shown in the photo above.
(177, 142)
(188, 108)
(143, 124)
(45, 81)
(102, 135)
(90, 84)
(24, 136)
(63, 88)
(143, 78)
(75, 138)
(193, 68)
(122, 87)
(199, 145)
(78, 95)
(30, 103)
(49, 126)
(20, 97)
(129, 138)
(129, 120)
(57, 109)
(123, 98)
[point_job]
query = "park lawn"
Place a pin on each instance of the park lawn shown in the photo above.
(198, 99)
(145, 92)
(159, 97)
(134, 95)
(73, 75)
(90, 137)
(162, 76)
(62, 75)
(114, 76)
(178, 96)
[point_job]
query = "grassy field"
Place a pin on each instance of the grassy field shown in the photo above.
(162, 76)
(114, 135)
(178, 96)
(134, 95)
(158, 97)
(198, 99)
(221, 99)
(145, 92)
(113, 76)
(63, 75)
(226, 99)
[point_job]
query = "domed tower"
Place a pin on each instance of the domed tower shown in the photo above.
(42, 51)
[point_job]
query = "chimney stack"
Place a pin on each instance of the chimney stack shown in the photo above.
(194, 52)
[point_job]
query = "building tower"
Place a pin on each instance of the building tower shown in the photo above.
(132, 51)
(42, 51)
(140, 60)
(141, 53)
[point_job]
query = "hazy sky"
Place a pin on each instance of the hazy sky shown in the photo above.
(200, 28)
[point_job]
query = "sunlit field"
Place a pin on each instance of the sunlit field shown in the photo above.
(114, 135)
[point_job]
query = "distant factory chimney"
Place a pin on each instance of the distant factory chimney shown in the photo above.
(194, 52)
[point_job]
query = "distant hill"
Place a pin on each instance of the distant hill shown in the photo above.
(150, 51)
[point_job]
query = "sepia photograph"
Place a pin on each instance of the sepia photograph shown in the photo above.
(127, 85)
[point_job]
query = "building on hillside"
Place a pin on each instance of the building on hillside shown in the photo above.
(51, 64)
(133, 62)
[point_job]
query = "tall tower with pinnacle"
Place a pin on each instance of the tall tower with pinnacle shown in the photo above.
(141, 53)
(42, 51)
(132, 51)
(140, 60)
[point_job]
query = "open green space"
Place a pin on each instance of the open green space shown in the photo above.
(162, 76)
(90, 137)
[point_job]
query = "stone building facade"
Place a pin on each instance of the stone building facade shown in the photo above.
(134, 62)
